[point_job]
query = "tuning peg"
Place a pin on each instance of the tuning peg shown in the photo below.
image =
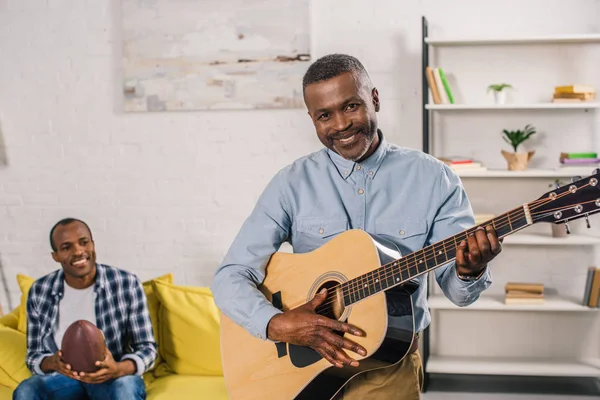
(575, 178)
(567, 228)
(587, 221)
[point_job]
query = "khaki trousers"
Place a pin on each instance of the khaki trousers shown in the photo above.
(403, 381)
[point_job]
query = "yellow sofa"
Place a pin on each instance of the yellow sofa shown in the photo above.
(186, 327)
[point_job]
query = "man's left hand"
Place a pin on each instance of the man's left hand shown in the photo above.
(473, 255)
(107, 369)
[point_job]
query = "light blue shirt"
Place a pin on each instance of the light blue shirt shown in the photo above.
(401, 195)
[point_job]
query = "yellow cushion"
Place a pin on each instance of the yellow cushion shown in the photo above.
(5, 393)
(11, 320)
(13, 347)
(184, 387)
(189, 330)
(153, 305)
(25, 283)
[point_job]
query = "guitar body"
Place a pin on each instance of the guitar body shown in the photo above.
(257, 369)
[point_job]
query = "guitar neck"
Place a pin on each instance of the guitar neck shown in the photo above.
(428, 258)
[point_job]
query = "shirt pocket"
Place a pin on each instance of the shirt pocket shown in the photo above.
(408, 233)
(312, 233)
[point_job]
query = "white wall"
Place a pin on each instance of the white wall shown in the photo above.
(167, 192)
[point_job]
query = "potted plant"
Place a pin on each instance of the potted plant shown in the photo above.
(499, 93)
(517, 161)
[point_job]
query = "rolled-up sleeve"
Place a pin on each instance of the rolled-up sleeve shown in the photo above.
(140, 327)
(236, 280)
(36, 351)
(455, 215)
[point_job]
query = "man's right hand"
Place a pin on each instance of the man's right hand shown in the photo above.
(56, 363)
(303, 327)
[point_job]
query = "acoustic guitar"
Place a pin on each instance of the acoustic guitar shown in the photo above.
(357, 269)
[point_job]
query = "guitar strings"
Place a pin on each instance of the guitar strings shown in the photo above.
(428, 252)
(503, 220)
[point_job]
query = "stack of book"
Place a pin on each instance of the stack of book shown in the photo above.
(439, 86)
(591, 297)
(573, 93)
(524, 293)
(463, 163)
(579, 160)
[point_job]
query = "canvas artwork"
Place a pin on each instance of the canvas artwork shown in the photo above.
(214, 54)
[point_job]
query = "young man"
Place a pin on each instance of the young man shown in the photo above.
(358, 181)
(111, 299)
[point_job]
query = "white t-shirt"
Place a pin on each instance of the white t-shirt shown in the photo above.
(76, 304)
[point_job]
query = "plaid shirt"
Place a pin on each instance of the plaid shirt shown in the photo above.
(121, 314)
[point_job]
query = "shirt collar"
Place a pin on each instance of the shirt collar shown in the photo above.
(58, 287)
(370, 165)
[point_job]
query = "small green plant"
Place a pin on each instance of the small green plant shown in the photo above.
(515, 138)
(499, 87)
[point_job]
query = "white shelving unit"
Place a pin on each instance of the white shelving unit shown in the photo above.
(504, 107)
(547, 240)
(554, 39)
(528, 173)
(514, 366)
(496, 303)
(490, 307)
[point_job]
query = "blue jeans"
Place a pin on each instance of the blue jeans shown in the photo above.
(60, 387)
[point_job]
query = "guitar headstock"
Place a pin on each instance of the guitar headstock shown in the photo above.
(578, 199)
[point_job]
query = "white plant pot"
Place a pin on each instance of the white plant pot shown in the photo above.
(500, 97)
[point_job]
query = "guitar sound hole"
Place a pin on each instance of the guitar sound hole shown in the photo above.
(333, 306)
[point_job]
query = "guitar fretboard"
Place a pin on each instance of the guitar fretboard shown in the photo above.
(424, 260)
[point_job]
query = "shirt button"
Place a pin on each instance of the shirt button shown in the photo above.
(321, 231)
(259, 336)
(345, 172)
(402, 233)
(371, 173)
(358, 167)
(360, 191)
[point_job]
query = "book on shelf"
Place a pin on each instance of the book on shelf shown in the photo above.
(524, 301)
(576, 88)
(591, 296)
(435, 94)
(455, 159)
(576, 96)
(580, 161)
(524, 287)
(438, 82)
(446, 85)
(573, 156)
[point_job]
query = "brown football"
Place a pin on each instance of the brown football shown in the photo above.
(82, 345)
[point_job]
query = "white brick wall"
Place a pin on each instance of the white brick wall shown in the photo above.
(167, 192)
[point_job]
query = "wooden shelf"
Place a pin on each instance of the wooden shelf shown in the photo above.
(552, 39)
(548, 240)
(527, 106)
(528, 173)
(513, 366)
(496, 303)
